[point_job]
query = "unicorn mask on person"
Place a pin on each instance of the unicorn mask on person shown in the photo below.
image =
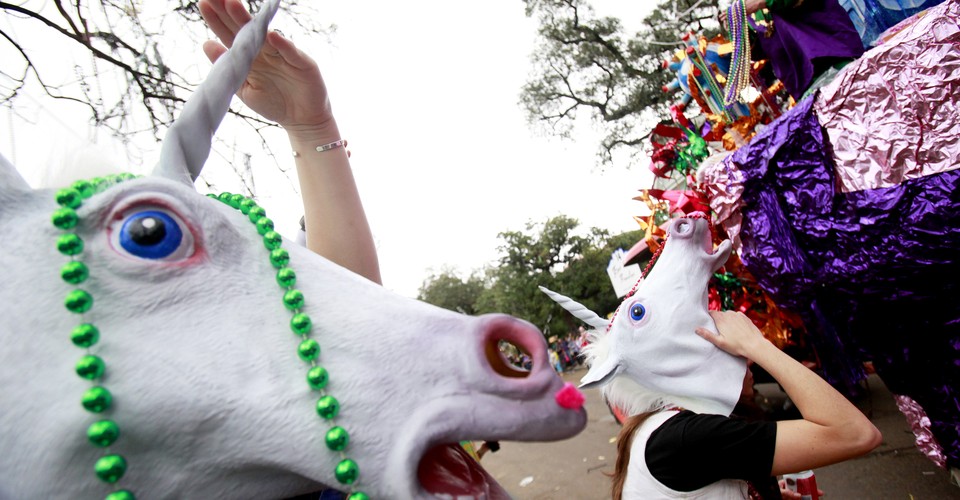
(178, 368)
(649, 356)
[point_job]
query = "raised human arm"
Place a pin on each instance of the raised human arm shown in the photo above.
(285, 85)
(832, 429)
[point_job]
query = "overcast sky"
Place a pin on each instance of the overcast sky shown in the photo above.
(427, 94)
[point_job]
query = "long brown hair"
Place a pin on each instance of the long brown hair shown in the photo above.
(624, 441)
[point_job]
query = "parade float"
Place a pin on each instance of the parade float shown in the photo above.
(841, 206)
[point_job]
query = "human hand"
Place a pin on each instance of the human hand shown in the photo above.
(284, 84)
(751, 6)
(736, 333)
(789, 494)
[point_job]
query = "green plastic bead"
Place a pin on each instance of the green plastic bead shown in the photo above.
(309, 350)
(84, 188)
(293, 299)
(256, 213)
(69, 244)
(286, 277)
(264, 225)
(65, 218)
(85, 335)
(103, 433)
(272, 240)
(110, 468)
(98, 183)
(225, 198)
(246, 205)
(97, 399)
(90, 367)
(74, 272)
(69, 197)
(358, 495)
(301, 324)
(328, 407)
(121, 495)
(211, 195)
(337, 438)
(78, 301)
(279, 258)
(317, 378)
(347, 471)
(235, 200)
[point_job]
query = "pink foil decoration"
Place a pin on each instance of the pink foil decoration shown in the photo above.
(894, 114)
(721, 180)
(920, 425)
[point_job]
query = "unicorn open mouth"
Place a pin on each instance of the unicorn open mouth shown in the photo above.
(448, 471)
(690, 226)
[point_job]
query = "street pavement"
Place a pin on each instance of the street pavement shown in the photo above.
(577, 468)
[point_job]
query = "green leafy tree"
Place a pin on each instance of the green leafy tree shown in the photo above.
(586, 64)
(586, 280)
(556, 254)
(530, 259)
(448, 290)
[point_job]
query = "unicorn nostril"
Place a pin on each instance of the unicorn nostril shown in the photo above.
(506, 358)
(502, 334)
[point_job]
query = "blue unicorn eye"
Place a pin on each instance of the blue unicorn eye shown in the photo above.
(151, 234)
(637, 312)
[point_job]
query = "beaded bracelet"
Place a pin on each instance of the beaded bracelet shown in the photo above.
(339, 143)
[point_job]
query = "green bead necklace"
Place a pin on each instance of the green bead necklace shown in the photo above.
(102, 433)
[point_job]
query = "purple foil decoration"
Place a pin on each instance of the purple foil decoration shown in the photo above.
(894, 114)
(920, 425)
(875, 273)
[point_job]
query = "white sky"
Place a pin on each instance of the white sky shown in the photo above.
(427, 94)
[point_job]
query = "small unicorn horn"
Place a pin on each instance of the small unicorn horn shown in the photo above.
(577, 309)
(187, 143)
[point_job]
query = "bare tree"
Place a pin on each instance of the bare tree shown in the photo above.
(131, 83)
(589, 65)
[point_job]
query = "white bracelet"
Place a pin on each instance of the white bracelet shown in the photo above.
(340, 143)
(333, 145)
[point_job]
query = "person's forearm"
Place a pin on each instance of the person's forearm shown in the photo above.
(336, 224)
(817, 401)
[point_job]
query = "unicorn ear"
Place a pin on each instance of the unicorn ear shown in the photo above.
(602, 373)
(187, 143)
(577, 309)
(722, 254)
(10, 179)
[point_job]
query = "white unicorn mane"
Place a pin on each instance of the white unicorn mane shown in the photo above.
(628, 396)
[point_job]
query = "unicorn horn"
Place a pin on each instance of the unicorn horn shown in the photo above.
(577, 309)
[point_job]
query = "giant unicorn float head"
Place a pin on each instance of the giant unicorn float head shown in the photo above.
(200, 377)
(649, 356)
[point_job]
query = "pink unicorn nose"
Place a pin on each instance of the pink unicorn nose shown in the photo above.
(569, 397)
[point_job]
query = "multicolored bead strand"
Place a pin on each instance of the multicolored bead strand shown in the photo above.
(328, 407)
(739, 76)
(102, 433)
(713, 91)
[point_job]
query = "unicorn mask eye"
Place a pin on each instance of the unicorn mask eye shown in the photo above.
(153, 234)
(637, 312)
